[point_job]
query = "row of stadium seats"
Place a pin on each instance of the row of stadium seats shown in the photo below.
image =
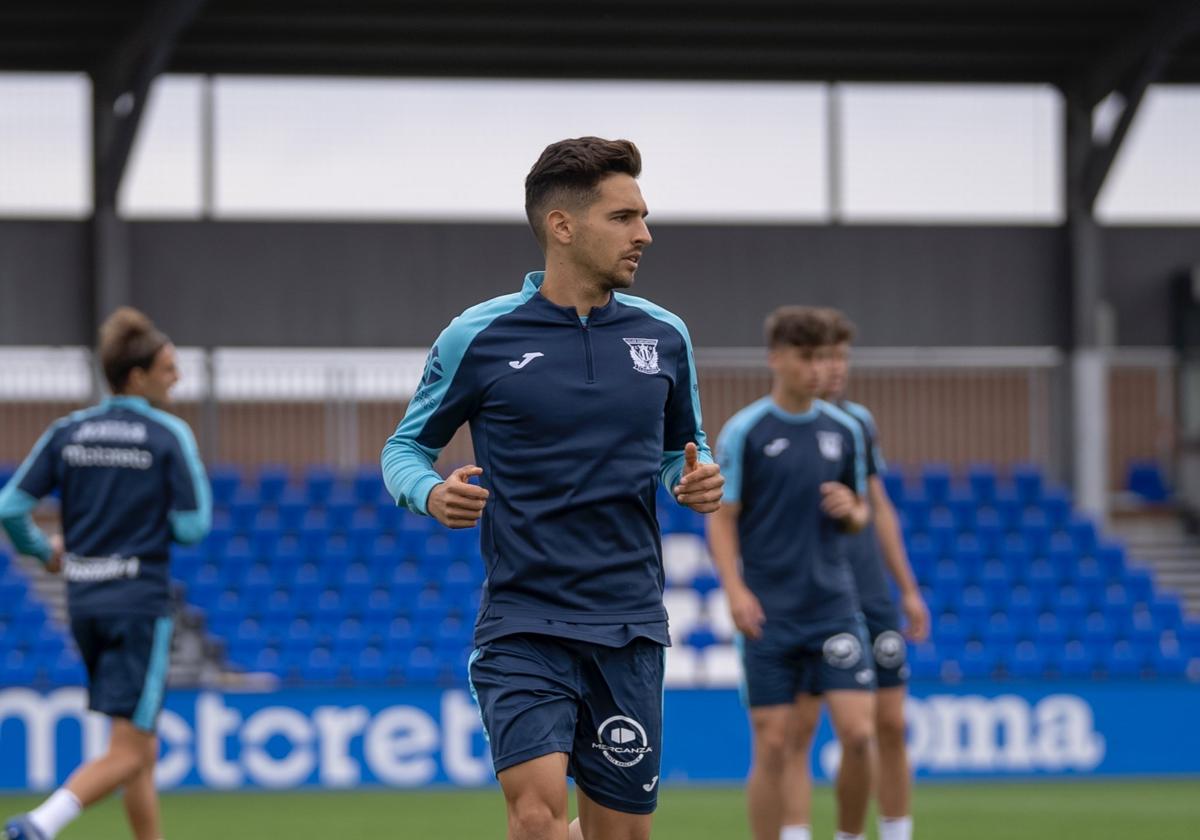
(320, 578)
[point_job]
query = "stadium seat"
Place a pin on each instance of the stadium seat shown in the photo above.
(935, 481)
(1027, 661)
(367, 485)
(700, 638)
(1122, 661)
(271, 483)
(1139, 583)
(1083, 534)
(721, 666)
(893, 482)
(1078, 661)
(1167, 610)
(683, 610)
(224, 481)
(964, 510)
(1008, 508)
(977, 661)
(1145, 479)
(318, 485)
(682, 668)
(981, 478)
(716, 610)
(684, 556)
(1027, 480)
(926, 661)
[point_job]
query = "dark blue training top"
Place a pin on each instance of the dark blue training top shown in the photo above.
(131, 480)
(793, 555)
(866, 560)
(574, 424)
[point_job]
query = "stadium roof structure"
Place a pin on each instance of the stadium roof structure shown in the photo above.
(1060, 42)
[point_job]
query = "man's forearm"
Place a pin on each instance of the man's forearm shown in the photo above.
(723, 546)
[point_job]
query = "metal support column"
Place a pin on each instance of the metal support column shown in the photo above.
(119, 90)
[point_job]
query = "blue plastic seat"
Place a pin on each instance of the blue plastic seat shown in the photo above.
(1083, 533)
(1049, 632)
(367, 485)
(67, 670)
(321, 667)
(421, 667)
(1026, 661)
(942, 532)
(935, 481)
(1122, 661)
(1009, 508)
(989, 531)
(948, 582)
(1139, 583)
(926, 661)
(997, 584)
(1111, 556)
(318, 484)
(1036, 532)
(1015, 554)
(1145, 479)
(969, 558)
(974, 610)
(1169, 662)
(1027, 481)
(949, 633)
(363, 532)
(1189, 638)
(291, 509)
(1167, 610)
(1071, 606)
(243, 508)
(1077, 661)
(1056, 507)
(1063, 557)
(915, 510)
(921, 557)
(340, 510)
(964, 510)
(369, 667)
(271, 483)
(1001, 632)
(893, 482)
(977, 661)
(981, 478)
(224, 481)
(314, 534)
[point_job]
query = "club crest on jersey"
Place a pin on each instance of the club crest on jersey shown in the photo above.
(830, 444)
(644, 352)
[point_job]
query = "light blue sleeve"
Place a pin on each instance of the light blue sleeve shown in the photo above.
(868, 420)
(190, 515)
(17, 504)
(444, 401)
(731, 447)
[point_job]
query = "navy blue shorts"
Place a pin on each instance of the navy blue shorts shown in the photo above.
(793, 659)
(889, 650)
(602, 706)
(126, 659)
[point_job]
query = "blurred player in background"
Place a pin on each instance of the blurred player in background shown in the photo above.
(580, 401)
(131, 481)
(869, 551)
(796, 477)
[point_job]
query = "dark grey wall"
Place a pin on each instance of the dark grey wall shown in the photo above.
(354, 284)
(43, 266)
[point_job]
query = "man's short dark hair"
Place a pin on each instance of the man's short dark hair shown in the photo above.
(806, 327)
(569, 172)
(842, 327)
(128, 340)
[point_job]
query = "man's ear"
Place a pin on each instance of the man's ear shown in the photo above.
(560, 226)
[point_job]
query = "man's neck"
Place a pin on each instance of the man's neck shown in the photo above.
(565, 285)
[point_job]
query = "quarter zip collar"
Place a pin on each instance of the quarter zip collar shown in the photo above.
(531, 290)
(126, 401)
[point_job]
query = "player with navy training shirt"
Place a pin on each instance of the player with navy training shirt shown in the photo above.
(580, 400)
(131, 482)
(796, 477)
(869, 552)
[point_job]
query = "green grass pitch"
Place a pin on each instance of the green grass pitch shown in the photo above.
(1163, 810)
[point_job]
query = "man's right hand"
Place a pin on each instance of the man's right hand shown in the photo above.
(54, 564)
(748, 615)
(457, 503)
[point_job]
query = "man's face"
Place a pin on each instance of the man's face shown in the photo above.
(837, 371)
(610, 234)
(155, 383)
(802, 371)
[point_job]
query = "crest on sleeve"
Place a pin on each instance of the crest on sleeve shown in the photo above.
(644, 352)
(433, 368)
(830, 444)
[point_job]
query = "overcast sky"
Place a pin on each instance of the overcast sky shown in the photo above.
(459, 149)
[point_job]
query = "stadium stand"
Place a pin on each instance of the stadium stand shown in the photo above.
(319, 579)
